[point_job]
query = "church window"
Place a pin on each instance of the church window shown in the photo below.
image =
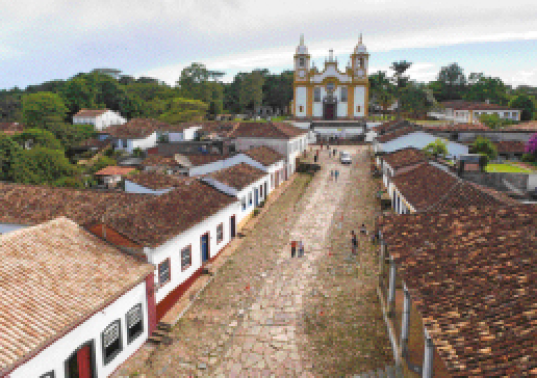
(330, 87)
(301, 62)
(301, 108)
(358, 108)
(361, 62)
(317, 94)
(344, 94)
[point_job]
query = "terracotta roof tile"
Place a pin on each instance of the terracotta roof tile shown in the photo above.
(398, 133)
(11, 128)
(202, 159)
(510, 147)
(428, 188)
(155, 180)
(52, 277)
(238, 176)
(154, 222)
(157, 160)
(471, 274)
(87, 113)
(404, 157)
(264, 155)
(114, 170)
(137, 128)
(272, 130)
(469, 105)
(31, 204)
(458, 127)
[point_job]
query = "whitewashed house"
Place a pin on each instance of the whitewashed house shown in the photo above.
(413, 137)
(288, 140)
(99, 118)
(111, 176)
(268, 160)
(137, 133)
(73, 303)
(469, 112)
(179, 232)
(179, 133)
(249, 184)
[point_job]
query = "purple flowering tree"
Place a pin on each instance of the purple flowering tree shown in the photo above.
(531, 147)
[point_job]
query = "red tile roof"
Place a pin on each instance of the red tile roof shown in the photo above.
(90, 113)
(137, 128)
(155, 180)
(201, 159)
(471, 274)
(157, 160)
(428, 188)
(510, 147)
(31, 204)
(271, 130)
(168, 215)
(398, 133)
(470, 105)
(264, 155)
(238, 176)
(458, 127)
(11, 128)
(530, 126)
(53, 277)
(114, 170)
(404, 157)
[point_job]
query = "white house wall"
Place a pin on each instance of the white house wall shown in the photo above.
(359, 100)
(131, 187)
(192, 236)
(53, 357)
(190, 133)
(250, 189)
(420, 140)
(143, 144)
(301, 101)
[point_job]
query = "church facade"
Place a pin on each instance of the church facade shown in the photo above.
(330, 94)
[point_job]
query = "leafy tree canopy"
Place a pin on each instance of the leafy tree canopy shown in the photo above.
(42, 166)
(37, 138)
(436, 148)
(10, 151)
(183, 110)
(485, 147)
(43, 108)
(526, 103)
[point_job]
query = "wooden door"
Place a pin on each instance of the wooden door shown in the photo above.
(151, 303)
(232, 226)
(84, 362)
(205, 248)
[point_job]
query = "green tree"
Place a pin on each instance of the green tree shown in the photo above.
(77, 95)
(42, 166)
(10, 152)
(526, 103)
(484, 146)
(452, 81)
(102, 162)
(485, 88)
(199, 83)
(71, 135)
(132, 106)
(182, 110)
(43, 108)
(415, 101)
(10, 106)
(32, 138)
(382, 90)
(494, 121)
(436, 148)
(251, 90)
(400, 80)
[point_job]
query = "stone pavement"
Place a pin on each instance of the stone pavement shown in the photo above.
(265, 343)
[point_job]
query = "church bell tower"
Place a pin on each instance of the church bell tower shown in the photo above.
(301, 80)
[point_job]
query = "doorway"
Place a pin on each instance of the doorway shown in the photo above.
(329, 111)
(81, 363)
(204, 248)
(232, 226)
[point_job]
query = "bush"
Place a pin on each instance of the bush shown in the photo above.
(528, 158)
(138, 152)
(256, 212)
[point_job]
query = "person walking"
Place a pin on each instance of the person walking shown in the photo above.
(331, 175)
(300, 249)
(354, 243)
(336, 174)
(293, 248)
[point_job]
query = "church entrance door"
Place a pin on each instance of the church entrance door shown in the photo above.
(329, 111)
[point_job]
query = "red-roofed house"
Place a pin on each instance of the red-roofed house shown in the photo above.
(100, 118)
(469, 112)
(73, 305)
(112, 175)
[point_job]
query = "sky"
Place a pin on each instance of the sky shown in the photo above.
(43, 40)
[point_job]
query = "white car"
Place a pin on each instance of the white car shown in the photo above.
(345, 158)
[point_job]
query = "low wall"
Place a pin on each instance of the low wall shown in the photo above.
(495, 180)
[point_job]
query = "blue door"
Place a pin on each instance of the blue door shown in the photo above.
(256, 197)
(205, 248)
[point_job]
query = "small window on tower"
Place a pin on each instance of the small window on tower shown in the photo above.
(301, 62)
(361, 62)
(358, 108)
(344, 94)
(317, 94)
(301, 108)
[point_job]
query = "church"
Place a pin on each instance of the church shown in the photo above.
(331, 94)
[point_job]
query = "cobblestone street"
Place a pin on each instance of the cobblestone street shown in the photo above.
(250, 319)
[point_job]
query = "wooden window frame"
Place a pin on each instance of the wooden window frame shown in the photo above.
(221, 239)
(107, 360)
(131, 338)
(161, 284)
(183, 268)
